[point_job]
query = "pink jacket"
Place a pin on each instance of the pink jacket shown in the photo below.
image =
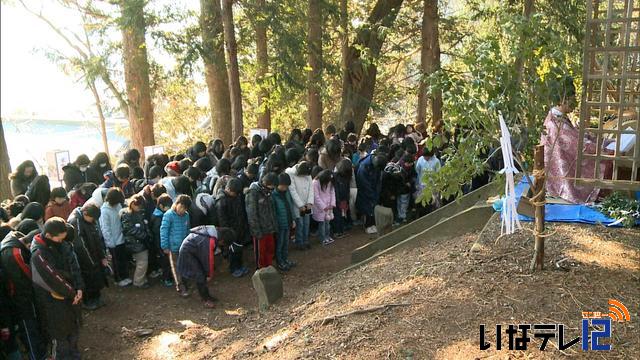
(323, 199)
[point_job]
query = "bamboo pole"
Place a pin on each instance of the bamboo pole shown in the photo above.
(537, 263)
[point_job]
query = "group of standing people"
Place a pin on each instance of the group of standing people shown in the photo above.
(170, 218)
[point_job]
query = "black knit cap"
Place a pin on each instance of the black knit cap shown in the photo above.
(27, 225)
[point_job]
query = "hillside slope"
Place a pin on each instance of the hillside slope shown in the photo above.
(428, 302)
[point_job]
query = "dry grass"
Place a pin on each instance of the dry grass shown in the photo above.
(449, 291)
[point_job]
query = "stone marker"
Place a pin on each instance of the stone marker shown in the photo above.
(268, 285)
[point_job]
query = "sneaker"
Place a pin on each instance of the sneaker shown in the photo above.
(283, 267)
(145, 285)
(90, 305)
(327, 241)
(155, 274)
(340, 235)
(125, 282)
(238, 273)
(291, 264)
(208, 304)
(183, 291)
(245, 271)
(167, 282)
(371, 230)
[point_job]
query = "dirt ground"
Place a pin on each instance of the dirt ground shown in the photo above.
(107, 333)
(421, 303)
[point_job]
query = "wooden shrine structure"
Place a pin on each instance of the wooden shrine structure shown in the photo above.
(610, 107)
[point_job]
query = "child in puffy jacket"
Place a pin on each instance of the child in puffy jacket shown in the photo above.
(137, 238)
(157, 258)
(324, 202)
(286, 215)
(174, 229)
(111, 228)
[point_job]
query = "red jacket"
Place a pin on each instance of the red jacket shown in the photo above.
(53, 209)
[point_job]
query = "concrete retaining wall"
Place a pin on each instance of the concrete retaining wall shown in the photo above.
(420, 225)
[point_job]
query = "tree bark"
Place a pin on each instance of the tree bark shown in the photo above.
(103, 125)
(430, 63)
(215, 69)
(5, 167)
(344, 36)
(359, 84)
(262, 57)
(232, 67)
(136, 74)
(529, 7)
(314, 76)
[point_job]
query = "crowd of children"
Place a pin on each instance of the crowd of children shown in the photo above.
(170, 217)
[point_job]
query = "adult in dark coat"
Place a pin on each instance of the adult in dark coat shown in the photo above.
(215, 150)
(196, 258)
(392, 185)
(33, 211)
(78, 172)
(262, 218)
(58, 286)
(89, 249)
(368, 181)
(99, 166)
(160, 160)
(40, 190)
(21, 178)
(132, 158)
(15, 257)
(197, 151)
(232, 215)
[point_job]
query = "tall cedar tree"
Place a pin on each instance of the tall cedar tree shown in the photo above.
(5, 167)
(215, 68)
(344, 37)
(136, 73)
(232, 67)
(262, 57)
(359, 84)
(430, 63)
(314, 77)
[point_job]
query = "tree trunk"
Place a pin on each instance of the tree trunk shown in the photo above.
(262, 57)
(359, 84)
(529, 119)
(519, 63)
(5, 167)
(136, 73)
(103, 125)
(232, 67)
(215, 69)
(430, 63)
(344, 36)
(314, 76)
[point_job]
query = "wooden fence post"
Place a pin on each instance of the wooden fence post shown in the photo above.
(537, 263)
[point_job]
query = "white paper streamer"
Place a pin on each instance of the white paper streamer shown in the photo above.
(510, 219)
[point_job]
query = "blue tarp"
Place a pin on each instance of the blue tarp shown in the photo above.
(565, 212)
